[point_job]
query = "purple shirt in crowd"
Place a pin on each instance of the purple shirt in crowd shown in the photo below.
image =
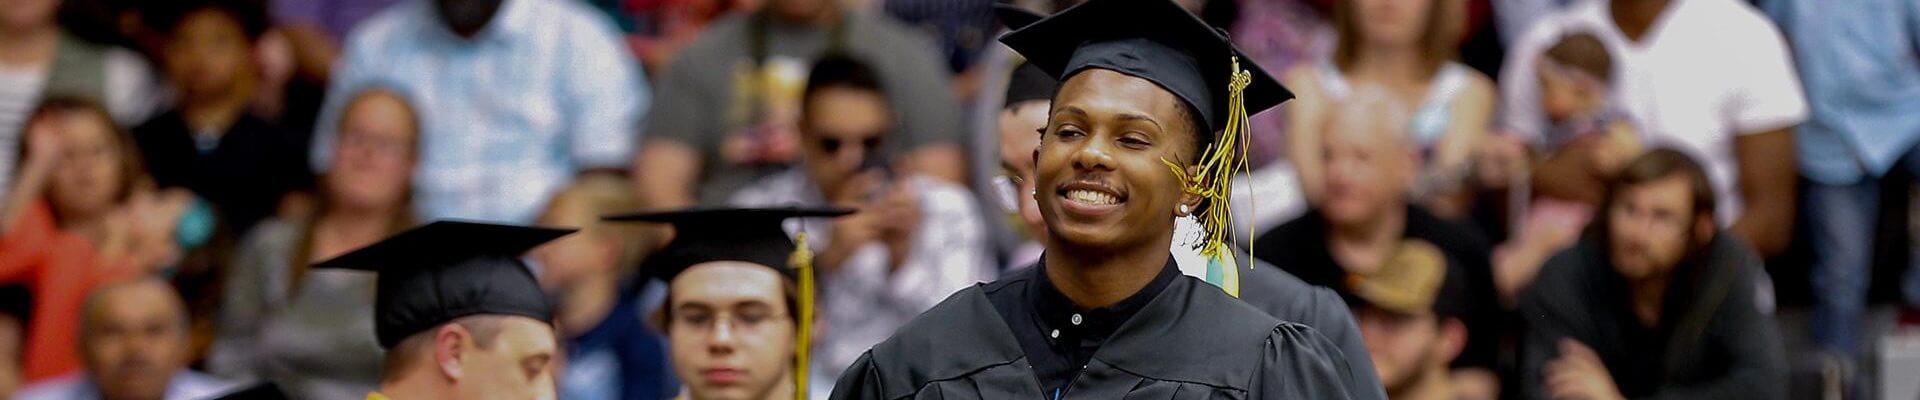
(337, 16)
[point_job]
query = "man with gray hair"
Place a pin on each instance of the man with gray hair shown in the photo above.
(133, 341)
(1371, 166)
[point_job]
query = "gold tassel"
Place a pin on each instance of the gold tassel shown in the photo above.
(1214, 181)
(802, 261)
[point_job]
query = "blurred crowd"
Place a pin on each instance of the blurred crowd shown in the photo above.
(1518, 199)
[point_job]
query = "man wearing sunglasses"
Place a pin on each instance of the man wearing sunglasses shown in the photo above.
(914, 239)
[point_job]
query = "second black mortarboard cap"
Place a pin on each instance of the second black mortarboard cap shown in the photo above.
(1027, 82)
(442, 271)
(1155, 40)
(702, 235)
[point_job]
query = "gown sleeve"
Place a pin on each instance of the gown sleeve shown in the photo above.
(860, 381)
(1301, 364)
(1287, 298)
(1335, 322)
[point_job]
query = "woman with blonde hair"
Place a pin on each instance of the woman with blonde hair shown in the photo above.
(1407, 48)
(308, 330)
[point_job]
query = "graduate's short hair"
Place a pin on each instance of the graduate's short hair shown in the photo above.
(484, 329)
(1188, 115)
(1201, 135)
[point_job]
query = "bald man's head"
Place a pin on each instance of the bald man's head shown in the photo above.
(1370, 161)
(1371, 117)
(134, 338)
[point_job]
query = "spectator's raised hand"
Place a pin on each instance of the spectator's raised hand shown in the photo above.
(1579, 375)
(1619, 143)
(143, 231)
(150, 216)
(44, 145)
(1498, 160)
(898, 211)
(864, 226)
(44, 148)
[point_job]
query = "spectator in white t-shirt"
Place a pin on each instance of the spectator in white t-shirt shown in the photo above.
(1711, 78)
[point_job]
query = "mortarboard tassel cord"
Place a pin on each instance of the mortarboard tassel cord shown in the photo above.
(802, 261)
(1214, 183)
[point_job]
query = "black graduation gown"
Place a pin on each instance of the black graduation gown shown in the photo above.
(1288, 298)
(1191, 341)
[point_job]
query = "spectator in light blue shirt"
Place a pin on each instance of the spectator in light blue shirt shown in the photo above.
(1861, 66)
(516, 97)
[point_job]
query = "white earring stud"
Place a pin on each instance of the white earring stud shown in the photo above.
(1185, 209)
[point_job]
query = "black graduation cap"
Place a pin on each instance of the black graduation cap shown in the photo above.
(1015, 17)
(1161, 42)
(702, 235)
(1027, 82)
(446, 270)
(1155, 40)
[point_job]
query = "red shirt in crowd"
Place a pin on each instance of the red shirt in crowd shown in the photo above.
(59, 268)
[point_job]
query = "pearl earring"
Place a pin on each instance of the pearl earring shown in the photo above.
(1185, 209)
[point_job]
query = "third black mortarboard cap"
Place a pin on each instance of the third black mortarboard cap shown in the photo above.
(702, 235)
(442, 271)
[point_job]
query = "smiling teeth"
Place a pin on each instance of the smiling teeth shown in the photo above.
(1092, 197)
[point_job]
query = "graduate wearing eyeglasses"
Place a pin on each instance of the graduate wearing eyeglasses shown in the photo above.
(739, 307)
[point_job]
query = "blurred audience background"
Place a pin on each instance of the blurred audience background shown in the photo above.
(1518, 199)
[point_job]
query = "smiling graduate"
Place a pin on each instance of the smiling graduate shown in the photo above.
(1147, 126)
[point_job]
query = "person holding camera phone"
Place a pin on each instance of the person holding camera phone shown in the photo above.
(913, 241)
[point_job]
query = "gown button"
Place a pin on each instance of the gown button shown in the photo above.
(1076, 319)
(1055, 334)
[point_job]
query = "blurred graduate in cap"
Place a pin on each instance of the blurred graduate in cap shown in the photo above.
(739, 306)
(459, 313)
(1147, 126)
